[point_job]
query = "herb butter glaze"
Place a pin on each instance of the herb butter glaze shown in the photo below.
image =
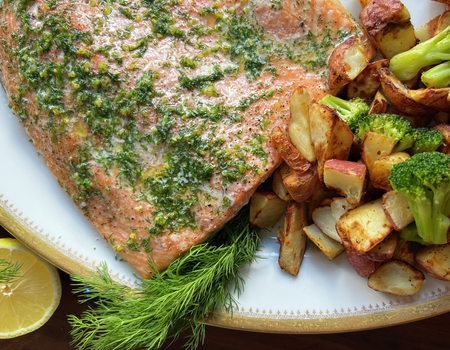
(155, 116)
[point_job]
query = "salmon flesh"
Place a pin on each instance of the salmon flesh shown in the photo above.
(155, 115)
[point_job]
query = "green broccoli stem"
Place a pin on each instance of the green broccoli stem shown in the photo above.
(438, 76)
(429, 213)
(406, 65)
(343, 107)
(409, 233)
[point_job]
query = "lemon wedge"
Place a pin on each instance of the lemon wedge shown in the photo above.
(29, 301)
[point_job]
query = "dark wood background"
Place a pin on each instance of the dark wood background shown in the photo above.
(432, 333)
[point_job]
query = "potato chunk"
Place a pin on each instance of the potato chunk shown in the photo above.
(266, 208)
(396, 277)
(385, 249)
(340, 206)
(365, 226)
(374, 147)
(427, 30)
(435, 260)
(327, 246)
(331, 136)
(400, 97)
(362, 264)
(382, 169)
(345, 177)
(323, 218)
(292, 239)
(300, 187)
(388, 22)
(289, 153)
(278, 186)
(299, 130)
(404, 252)
(432, 97)
(346, 62)
(379, 104)
(367, 83)
(397, 210)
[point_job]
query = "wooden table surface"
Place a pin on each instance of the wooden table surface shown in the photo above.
(432, 333)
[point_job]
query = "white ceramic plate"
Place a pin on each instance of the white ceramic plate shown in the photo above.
(324, 297)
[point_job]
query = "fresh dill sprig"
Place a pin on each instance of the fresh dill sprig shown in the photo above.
(9, 272)
(171, 302)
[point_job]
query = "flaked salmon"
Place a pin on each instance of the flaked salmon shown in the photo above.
(155, 115)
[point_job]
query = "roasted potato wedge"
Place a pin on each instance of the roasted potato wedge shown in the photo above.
(379, 104)
(367, 83)
(340, 206)
(346, 62)
(397, 210)
(388, 22)
(266, 208)
(300, 187)
(432, 97)
(382, 169)
(290, 154)
(435, 260)
(323, 218)
(278, 186)
(365, 226)
(404, 252)
(292, 239)
(328, 246)
(362, 264)
(443, 22)
(399, 96)
(347, 178)
(396, 277)
(427, 31)
(375, 146)
(299, 130)
(331, 136)
(385, 249)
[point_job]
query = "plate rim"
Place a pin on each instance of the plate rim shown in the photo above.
(319, 325)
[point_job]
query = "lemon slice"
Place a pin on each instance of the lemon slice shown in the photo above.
(29, 301)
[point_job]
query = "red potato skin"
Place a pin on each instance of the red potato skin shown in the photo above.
(336, 78)
(427, 264)
(346, 167)
(359, 87)
(418, 275)
(380, 15)
(362, 264)
(381, 257)
(404, 252)
(289, 152)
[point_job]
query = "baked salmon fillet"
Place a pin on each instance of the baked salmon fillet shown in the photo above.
(155, 115)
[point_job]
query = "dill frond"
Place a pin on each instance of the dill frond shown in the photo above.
(178, 299)
(9, 272)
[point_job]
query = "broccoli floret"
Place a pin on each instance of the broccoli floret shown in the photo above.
(424, 179)
(428, 140)
(406, 65)
(349, 111)
(391, 125)
(410, 233)
(438, 76)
